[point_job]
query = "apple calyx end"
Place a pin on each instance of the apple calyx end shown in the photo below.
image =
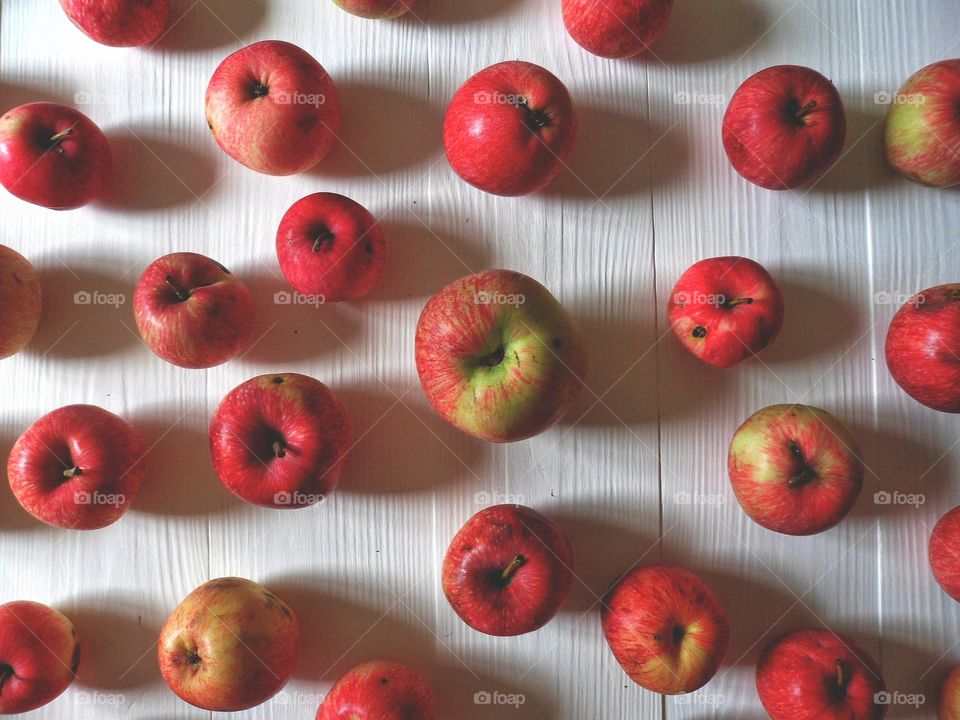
(193, 657)
(260, 90)
(507, 575)
(6, 672)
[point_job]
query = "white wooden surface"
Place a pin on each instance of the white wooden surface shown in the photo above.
(635, 473)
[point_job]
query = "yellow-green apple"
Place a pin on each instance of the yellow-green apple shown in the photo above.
(944, 553)
(20, 301)
(795, 469)
(948, 702)
(119, 23)
(53, 155)
(616, 28)
(816, 674)
(508, 570)
(380, 690)
(280, 441)
(78, 467)
(273, 108)
(725, 310)
(329, 245)
(498, 356)
(39, 655)
(922, 129)
(510, 128)
(230, 645)
(376, 9)
(784, 127)
(191, 311)
(923, 347)
(666, 628)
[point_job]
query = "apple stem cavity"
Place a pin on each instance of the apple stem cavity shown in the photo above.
(193, 657)
(507, 575)
(494, 358)
(6, 672)
(324, 237)
(536, 119)
(279, 449)
(182, 293)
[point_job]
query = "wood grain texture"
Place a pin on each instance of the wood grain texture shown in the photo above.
(635, 473)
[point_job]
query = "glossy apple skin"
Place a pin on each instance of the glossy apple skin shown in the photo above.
(284, 433)
(521, 544)
(616, 28)
(119, 23)
(58, 173)
(948, 701)
(191, 311)
(923, 348)
(273, 108)
(769, 138)
(509, 129)
(230, 645)
(798, 678)
(79, 467)
(795, 469)
(380, 690)
(458, 342)
(725, 310)
(666, 628)
(376, 9)
(922, 129)
(944, 555)
(20, 301)
(330, 245)
(39, 655)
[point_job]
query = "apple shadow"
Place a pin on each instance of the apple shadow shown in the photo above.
(703, 31)
(287, 328)
(211, 24)
(12, 516)
(16, 94)
(367, 145)
(151, 173)
(459, 685)
(85, 313)
(910, 669)
(456, 12)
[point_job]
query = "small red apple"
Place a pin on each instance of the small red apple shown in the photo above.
(330, 245)
(795, 469)
(273, 108)
(784, 127)
(376, 9)
(380, 690)
(191, 311)
(509, 129)
(280, 441)
(78, 467)
(230, 645)
(816, 674)
(39, 655)
(20, 301)
(666, 628)
(923, 348)
(616, 28)
(119, 23)
(948, 702)
(944, 553)
(53, 155)
(725, 310)
(508, 570)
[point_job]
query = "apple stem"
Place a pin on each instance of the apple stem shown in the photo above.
(842, 678)
(955, 295)
(512, 567)
(801, 478)
(279, 449)
(6, 672)
(72, 472)
(323, 237)
(182, 293)
(806, 109)
(60, 136)
(739, 301)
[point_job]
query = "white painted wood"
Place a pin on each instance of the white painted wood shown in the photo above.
(648, 193)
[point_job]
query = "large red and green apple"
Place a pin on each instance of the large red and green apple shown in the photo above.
(20, 301)
(498, 356)
(943, 552)
(616, 28)
(119, 23)
(380, 690)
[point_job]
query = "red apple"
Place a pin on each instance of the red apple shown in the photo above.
(273, 108)
(78, 467)
(666, 628)
(795, 469)
(39, 655)
(191, 311)
(944, 553)
(53, 155)
(784, 127)
(725, 310)
(280, 441)
(498, 356)
(922, 132)
(923, 348)
(616, 28)
(230, 645)
(815, 674)
(948, 703)
(509, 129)
(20, 302)
(331, 246)
(119, 23)
(376, 9)
(380, 690)
(508, 570)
